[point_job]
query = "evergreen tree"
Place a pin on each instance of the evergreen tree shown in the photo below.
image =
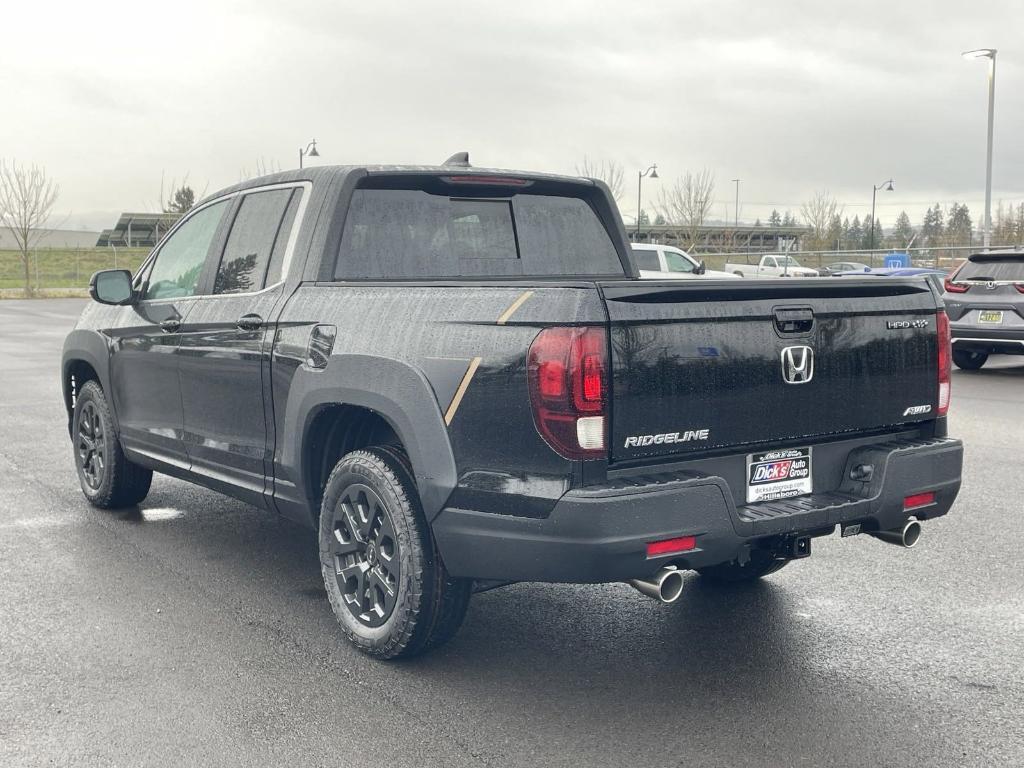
(958, 225)
(788, 220)
(854, 233)
(932, 227)
(757, 223)
(775, 220)
(659, 220)
(835, 232)
(904, 231)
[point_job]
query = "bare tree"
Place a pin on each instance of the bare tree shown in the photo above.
(818, 213)
(27, 197)
(688, 202)
(607, 171)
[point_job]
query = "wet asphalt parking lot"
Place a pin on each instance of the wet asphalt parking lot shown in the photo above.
(195, 631)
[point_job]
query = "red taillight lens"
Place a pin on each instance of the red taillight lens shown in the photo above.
(944, 359)
(567, 370)
(1019, 287)
(952, 287)
(671, 546)
(918, 500)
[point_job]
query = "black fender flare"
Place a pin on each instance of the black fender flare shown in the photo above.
(88, 347)
(399, 393)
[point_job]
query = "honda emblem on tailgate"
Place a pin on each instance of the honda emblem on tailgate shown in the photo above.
(797, 365)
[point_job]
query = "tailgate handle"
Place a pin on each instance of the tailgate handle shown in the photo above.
(794, 320)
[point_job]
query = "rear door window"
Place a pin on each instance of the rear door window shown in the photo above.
(412, 233)
(254, 252)
(646, 260)
(1009, 268)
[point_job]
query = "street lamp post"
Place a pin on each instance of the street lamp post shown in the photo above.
(990, 54)
(737, 210)
(653, 172)
(874, 190)
(309, 151)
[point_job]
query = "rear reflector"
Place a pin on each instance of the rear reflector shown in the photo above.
(919, 500)
(671, 546)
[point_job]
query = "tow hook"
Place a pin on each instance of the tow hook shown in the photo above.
(794, 547)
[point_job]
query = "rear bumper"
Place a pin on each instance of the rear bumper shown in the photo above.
(599, 534)
(1007, 340)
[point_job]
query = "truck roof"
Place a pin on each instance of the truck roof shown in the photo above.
(327, 173)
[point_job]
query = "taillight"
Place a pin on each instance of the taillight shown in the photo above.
(944, 361)
(568, 373)
(1019, 287)
(952, 287)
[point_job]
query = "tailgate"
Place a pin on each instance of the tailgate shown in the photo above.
(708, 365)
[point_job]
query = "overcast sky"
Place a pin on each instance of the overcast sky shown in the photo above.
(789, 96)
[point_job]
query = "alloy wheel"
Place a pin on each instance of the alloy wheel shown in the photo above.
(365, 554)
(90, 445)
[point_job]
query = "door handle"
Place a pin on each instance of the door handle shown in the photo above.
(170, 325)
(250, 322)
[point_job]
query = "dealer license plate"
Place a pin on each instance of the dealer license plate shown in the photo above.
(778, 474)
(991, 316)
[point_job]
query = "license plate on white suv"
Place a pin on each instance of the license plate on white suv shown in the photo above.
(778, 474)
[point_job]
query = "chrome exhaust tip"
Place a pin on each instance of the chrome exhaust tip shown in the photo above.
(665, 586)
(907, 536)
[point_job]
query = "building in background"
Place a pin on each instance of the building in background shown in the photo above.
(137, 230)
(721, 238)
(51, 238)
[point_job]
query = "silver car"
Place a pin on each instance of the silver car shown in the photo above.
(985, 303)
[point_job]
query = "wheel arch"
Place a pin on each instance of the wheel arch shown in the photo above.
(85, 358)
(359, 399)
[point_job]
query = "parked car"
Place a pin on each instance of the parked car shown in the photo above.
(985, 301)
(669, 263)
(840, 267)
(457, 379)
(896, 272)
(771, 265)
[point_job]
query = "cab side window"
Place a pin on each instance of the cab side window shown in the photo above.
(175, 274)
(254, 253)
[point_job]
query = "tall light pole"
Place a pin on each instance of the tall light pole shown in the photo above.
(737, 211)
(309, 151)
(990, 54)
(653, 172)
(874, 190)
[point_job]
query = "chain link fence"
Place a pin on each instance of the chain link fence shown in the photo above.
(62, 271)
(939, 258)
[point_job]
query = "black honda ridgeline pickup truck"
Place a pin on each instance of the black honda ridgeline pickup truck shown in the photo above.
(456, 377)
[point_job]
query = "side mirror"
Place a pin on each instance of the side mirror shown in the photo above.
(112, 286)
(700, 269)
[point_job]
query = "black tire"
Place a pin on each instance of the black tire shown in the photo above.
(108, 479)
(761, 564)
(385, 580)
(968, 360)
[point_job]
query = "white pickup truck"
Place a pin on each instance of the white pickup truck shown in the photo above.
(771, 265)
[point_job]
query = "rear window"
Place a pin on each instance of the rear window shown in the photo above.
(993, 268)
(413, 233)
